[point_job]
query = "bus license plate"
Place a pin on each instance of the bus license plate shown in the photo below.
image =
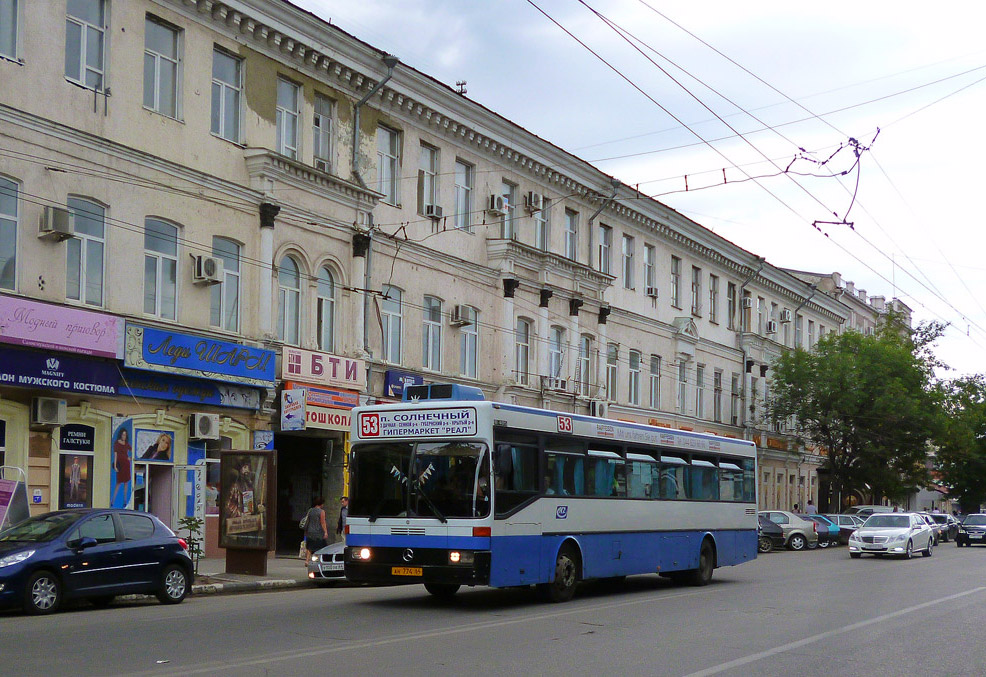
(405, 571)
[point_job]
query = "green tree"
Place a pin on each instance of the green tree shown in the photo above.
(868, 401)
(962, 446)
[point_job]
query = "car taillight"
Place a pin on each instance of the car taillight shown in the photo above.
(814, 527)
(182, 543)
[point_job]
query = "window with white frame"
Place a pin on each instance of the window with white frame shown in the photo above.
(160, 268)
(288, 114)
(650, 267)
(161, 67)
(224, 309)
(542, 225)
(427, 177)
(682, 385)
(746, 311)
(463, 195)
(469, 342)
(717, 396)
(388, 163)
(289, 301)
(713, 298)
(227, 85)
(811, 334)
(522, 351)
(8, 233)
(393, 320)
(571, 234)
(612, 371)
(676, 282)
(9, 27)
(325, 310)
(700, 391)
(431, 334)
(734, 400)
(761, 313)
(730, 305)
(324, 111)
(605, 249)
(508, 224)
(797, 331)
(84, 253)
(556, 352)
(633, 394)
(85, 42)
(584, 375)
(629, 277)
(655, 381)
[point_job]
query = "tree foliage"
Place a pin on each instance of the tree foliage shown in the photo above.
(962, 446)
(868, 402)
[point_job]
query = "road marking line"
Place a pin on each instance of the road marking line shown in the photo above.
(752, 658)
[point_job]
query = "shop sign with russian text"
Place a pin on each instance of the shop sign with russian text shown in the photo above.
(322, 368)
(418, 423)
(325, 397)
(322, 418)
(65, 373)
(73, 330)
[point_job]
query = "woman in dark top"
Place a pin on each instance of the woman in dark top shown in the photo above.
(316, 533)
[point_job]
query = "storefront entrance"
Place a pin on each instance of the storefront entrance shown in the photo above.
(308, 465)
(153, 489)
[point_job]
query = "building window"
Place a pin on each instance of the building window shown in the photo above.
(322, 132)
(734, 400)
(463, 195)
(288, 115)
(650, 268)
(731, 305)
(227, 84)
(431, 334)
(85, 37)
(388, 163)
(288, 301)
(584, 374)
(392, 324)
(84, 253)
(761, 311)
(160, 268)
(605, 247)
(326, 310)
(634, 379)
(522, 352)
(469, 342)
(628, 272)
(811, 334)
(542, 225)
(682, 385)
(427, 177)
(9, 15)
(655, 381)
(556, 352)
(225, 306)
(571, 234)
(713, 298)
(797, 331)
(161, 67)
(8, 234)
(612, 370)
(700, 391)
(717, 396)
(676, 282)
(508, 225)
(746, 311)
(787, 332)
(696, 291)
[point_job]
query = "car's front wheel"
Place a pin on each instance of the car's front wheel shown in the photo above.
(909, 551)
(927, 552)
(43, 593)
(797, 542)
(174, 585)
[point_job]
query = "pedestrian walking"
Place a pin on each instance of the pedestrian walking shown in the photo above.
(316, 533)
(810, 508)
(795, 509)
(343, 515)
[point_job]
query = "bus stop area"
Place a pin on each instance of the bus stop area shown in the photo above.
(282, 573)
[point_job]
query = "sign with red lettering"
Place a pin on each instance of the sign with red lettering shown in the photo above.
(323, 418)
(322, 368)
(565, 424)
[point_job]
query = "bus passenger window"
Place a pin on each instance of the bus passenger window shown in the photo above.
(565, 475)
(515, 470)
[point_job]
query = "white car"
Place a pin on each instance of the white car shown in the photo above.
(327, 564)
(899, 533)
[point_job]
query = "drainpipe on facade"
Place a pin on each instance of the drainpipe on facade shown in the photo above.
(606, 202)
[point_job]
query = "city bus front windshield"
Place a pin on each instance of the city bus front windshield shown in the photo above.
(440, 480)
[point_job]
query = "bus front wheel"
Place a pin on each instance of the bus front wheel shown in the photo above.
(566, 580)
(442, 589)
(706, 563)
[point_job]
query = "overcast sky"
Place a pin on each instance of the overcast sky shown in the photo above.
(787, 76)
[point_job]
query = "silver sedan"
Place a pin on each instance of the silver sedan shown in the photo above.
(900, 534)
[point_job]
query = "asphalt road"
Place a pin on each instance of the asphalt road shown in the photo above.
(807, 613)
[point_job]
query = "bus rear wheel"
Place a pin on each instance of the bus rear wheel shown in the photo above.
(445, 590)
(706, 563)
(566, 580)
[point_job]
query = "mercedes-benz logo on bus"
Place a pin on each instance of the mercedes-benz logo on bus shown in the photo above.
(408, 554)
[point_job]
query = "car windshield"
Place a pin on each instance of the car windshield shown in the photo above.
(975, 520)
(424, 479)
(40, 529)
(892, 521)
(941, 519)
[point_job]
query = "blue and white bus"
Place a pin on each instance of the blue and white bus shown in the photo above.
(450, 490)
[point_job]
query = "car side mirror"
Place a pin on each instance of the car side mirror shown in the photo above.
(85, 542)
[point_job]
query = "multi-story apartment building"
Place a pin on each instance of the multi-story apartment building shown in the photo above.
(213, 202)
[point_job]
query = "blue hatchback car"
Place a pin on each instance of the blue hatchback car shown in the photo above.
(93, 554)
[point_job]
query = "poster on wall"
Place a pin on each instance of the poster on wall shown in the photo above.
(75, 490)
(154, 445)
(247, 477)
(121, 463)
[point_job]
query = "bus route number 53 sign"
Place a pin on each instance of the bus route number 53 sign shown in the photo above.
(369, 425)
(565, 424)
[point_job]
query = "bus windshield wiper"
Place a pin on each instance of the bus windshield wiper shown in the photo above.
(434, 508)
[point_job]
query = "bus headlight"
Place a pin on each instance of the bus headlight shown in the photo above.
(360, 554)
(461, 557)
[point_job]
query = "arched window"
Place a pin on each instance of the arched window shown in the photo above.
(160, 268)
(584, 374)
(612, 370)
(556, 352)
(288, 301)
(469, 342)
(224, 311)
(326, 310)
(522, 351)
(84, 252)
(392, 319)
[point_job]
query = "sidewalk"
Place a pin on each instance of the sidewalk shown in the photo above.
(282, 572)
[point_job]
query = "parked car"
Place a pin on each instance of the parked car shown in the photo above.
(770, 535)
(935, 526)
(899, 533)
(865, 511)
(828, 531)
(93, 554)
(972, 530)
(327, 564)
(949, 525)
(798, 533)
(847, 525)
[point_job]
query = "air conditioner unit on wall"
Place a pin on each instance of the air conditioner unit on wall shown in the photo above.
(553, 383)
(56, 224)
(48, 411)
(497, 205)
(203, 426)
(433, 211)
(598, 408)
(785, 315)
(208, 270)
(652, 292)
(747, 302)
(458, 317)
(771, 327)
(534, 202)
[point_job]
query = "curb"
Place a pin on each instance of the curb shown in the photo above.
(245, 586)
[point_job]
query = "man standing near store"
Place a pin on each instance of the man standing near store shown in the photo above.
(343, 514)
